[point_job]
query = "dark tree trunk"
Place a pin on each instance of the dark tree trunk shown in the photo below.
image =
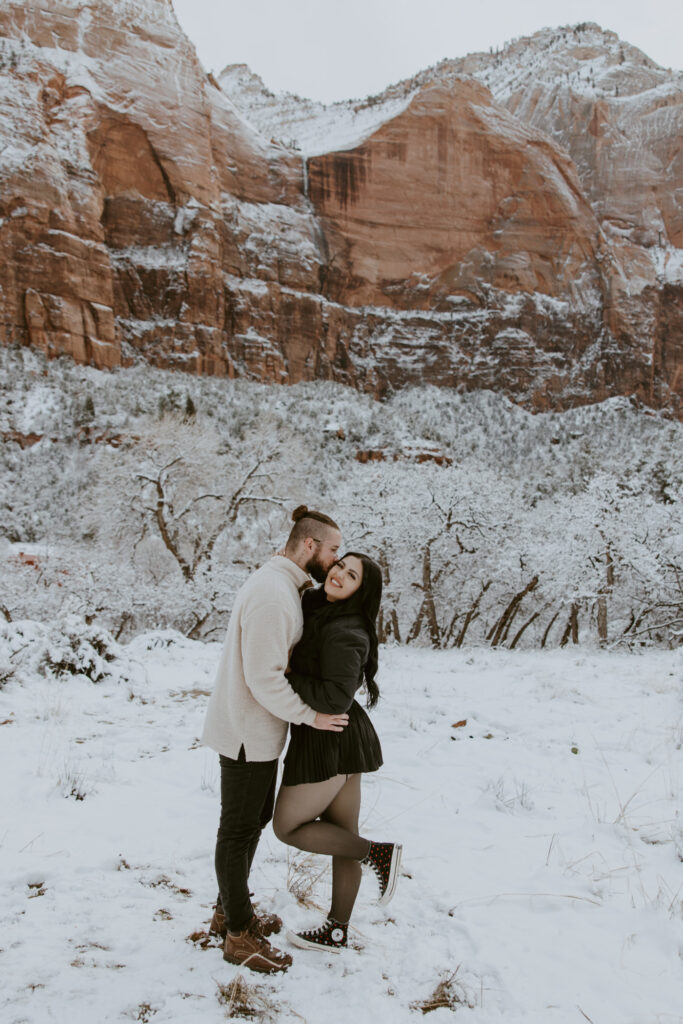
(499, 632)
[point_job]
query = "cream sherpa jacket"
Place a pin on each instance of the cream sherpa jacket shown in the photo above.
(252, 701)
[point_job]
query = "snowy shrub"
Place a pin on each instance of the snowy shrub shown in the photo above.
(68, 646)
(22, 645)
(80, 649)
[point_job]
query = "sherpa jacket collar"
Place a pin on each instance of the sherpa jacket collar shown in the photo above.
(291, 569)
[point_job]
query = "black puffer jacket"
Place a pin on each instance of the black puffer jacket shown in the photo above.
(327, 664)
(326, 670)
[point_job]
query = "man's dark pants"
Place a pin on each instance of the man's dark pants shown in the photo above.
(247, 799)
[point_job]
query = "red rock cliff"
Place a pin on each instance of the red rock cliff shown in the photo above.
(463, 240)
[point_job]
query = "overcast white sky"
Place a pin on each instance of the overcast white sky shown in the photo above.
(348, 49)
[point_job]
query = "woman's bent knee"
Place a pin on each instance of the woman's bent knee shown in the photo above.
(281, 829)
(278, 832)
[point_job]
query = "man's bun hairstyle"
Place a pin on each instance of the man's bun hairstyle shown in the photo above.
(304, 520)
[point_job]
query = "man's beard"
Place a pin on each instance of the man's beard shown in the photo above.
(315, 569)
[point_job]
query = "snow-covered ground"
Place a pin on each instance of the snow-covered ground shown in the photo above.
(543, 845)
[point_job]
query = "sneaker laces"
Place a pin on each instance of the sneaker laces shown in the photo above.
(324, 929)
(317, 931)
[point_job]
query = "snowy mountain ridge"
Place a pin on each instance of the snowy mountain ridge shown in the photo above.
(308, 125)
(586, 58)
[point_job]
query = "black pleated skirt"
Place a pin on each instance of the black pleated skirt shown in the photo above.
(313, 756)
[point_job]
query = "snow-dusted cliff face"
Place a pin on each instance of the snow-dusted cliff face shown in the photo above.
(509, 220)
(128, 183)
(306, 125)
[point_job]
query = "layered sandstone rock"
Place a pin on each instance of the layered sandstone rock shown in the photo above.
(493, 204)
(120, 168)
(620, 118)
(511, 238)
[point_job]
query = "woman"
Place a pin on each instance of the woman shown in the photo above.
(319, 801)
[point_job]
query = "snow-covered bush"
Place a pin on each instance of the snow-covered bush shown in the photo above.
(79, 648)
(69, 646)
(22, 645)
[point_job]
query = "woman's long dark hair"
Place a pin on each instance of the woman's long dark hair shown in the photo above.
(365, 602)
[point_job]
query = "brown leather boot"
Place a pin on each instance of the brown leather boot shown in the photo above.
(251, 949)
(270, 924)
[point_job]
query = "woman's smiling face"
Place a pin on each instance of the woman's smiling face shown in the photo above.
(344, 578)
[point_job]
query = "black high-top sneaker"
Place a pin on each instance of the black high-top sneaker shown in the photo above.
(330, 937)
(385, 860)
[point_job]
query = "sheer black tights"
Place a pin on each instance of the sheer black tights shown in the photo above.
(322, 817)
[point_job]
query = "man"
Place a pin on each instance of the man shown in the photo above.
(246, 723)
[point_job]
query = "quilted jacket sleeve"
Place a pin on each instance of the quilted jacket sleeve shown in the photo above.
(343, 653)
